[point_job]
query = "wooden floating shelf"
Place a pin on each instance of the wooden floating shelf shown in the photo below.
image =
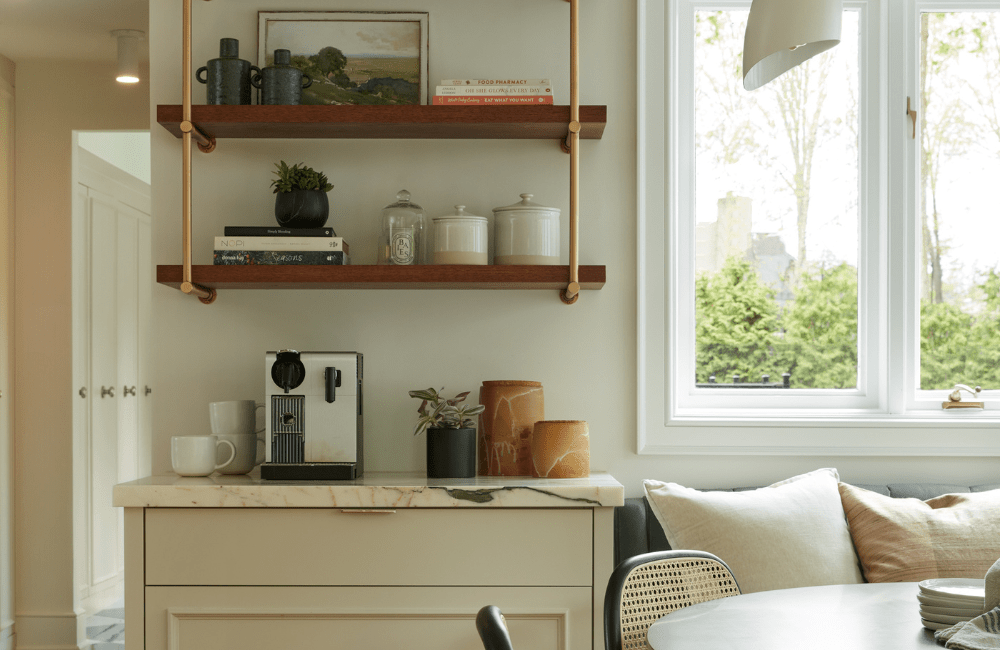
(382, 277)
(414, 121)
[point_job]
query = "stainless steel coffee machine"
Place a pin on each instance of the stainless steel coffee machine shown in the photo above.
(314, 415)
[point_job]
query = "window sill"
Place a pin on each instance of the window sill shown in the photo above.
(812, 433)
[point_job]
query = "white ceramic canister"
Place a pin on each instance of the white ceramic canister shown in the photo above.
(525, 233)
(460, 238)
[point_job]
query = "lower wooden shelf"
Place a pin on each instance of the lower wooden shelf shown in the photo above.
(382, 277)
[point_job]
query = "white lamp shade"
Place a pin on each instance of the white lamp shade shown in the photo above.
(128, 54)
(784, 33)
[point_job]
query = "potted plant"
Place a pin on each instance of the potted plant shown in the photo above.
(451, 433)
(301, 200)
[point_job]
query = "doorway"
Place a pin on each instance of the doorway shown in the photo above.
(112, 284)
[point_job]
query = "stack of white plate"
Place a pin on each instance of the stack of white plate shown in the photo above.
(946, 601)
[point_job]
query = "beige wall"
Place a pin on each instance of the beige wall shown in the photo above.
(583, 354)
(6, 347)
(85, 97)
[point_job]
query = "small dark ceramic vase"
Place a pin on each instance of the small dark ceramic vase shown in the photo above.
(301, 209)
(227, 78)
(281, 83)
(451, 453)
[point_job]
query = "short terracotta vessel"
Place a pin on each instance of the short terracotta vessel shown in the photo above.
(506, 425)
(561, 449)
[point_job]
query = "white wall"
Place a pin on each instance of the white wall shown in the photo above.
(583, 354)
(86, 97)
(128, 151)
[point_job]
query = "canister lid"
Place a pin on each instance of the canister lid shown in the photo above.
(527, 204)
(460, 213)
(403, 201)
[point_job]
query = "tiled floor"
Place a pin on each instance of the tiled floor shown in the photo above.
(106, 629)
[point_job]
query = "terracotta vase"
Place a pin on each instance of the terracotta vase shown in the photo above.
(505, 427)
(561, 449)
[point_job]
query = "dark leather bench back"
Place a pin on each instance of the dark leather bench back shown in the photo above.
(637, 531)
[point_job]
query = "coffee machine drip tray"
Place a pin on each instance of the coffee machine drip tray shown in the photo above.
(309, 471)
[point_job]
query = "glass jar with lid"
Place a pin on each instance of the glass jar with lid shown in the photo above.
(460, 238)
(526, 233)
(403, 233)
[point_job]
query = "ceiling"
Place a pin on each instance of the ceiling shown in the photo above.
(68, 29)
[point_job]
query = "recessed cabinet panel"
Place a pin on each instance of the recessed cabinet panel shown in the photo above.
(251, 618)
(416, 546)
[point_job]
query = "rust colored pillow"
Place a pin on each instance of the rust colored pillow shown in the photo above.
(908, 540)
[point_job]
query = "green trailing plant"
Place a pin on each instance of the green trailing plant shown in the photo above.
(299, 177)
(438, 413)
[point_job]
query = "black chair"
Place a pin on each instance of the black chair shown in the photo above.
(493, 629)
(641, 589)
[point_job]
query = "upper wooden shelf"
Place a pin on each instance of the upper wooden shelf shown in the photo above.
(417, 121)
(430, 276)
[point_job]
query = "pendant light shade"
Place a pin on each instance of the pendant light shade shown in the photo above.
(784, 33)
(128, 54)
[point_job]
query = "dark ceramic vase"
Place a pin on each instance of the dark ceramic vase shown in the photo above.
(281, 83)
(301, 209)
(227, 78)
(451, 453)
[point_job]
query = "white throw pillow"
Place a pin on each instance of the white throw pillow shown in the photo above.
(790, 534)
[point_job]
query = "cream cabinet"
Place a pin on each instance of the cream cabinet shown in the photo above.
(303, 578)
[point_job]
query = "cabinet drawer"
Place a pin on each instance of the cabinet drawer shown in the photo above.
(257, 546)
(307, 618)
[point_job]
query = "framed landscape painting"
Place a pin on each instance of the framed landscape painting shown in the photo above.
(367, 57)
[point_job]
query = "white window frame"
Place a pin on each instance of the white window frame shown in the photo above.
(887, 414)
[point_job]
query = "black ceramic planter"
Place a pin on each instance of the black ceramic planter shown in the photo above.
(301, 209)
(451, 453)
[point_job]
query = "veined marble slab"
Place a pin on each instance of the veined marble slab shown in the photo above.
(373, 490)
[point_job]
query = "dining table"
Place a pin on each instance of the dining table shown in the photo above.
(882, 616)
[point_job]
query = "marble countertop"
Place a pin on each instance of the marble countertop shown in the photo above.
(373, 490)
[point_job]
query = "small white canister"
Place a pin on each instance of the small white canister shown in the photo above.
(526, 233)
(460, 238)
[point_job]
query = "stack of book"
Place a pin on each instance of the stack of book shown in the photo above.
(493, 92)
(246, 245)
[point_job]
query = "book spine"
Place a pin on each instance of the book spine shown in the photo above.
(493, 90)
(496, 82)
(269, 231)
(283, 244)
(249, 258)
(492, 100)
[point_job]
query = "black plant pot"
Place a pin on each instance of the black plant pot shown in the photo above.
(301, 209)
(451, 453)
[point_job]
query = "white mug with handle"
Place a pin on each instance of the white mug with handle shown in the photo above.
(234, 417)
(196, 455)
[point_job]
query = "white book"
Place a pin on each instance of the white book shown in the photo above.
(496, 82)
(281, 244)
(493, 90)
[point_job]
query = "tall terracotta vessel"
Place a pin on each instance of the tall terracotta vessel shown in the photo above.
(505, 427)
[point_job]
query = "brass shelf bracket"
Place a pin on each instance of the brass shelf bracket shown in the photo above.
(206, 143)
(189, 134)
(572, 142)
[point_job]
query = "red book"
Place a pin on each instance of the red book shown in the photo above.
(491, 100)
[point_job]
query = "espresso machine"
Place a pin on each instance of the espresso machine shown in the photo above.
(314, 416)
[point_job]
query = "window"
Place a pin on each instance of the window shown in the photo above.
(812, 276)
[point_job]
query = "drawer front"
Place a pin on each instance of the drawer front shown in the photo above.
(251, 546)
(307, 618)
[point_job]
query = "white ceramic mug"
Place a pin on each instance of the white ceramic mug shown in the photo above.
(195, 455)
(235, 417)
(249, 453)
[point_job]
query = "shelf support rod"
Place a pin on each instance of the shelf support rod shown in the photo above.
(205, 294)
(572, 292)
